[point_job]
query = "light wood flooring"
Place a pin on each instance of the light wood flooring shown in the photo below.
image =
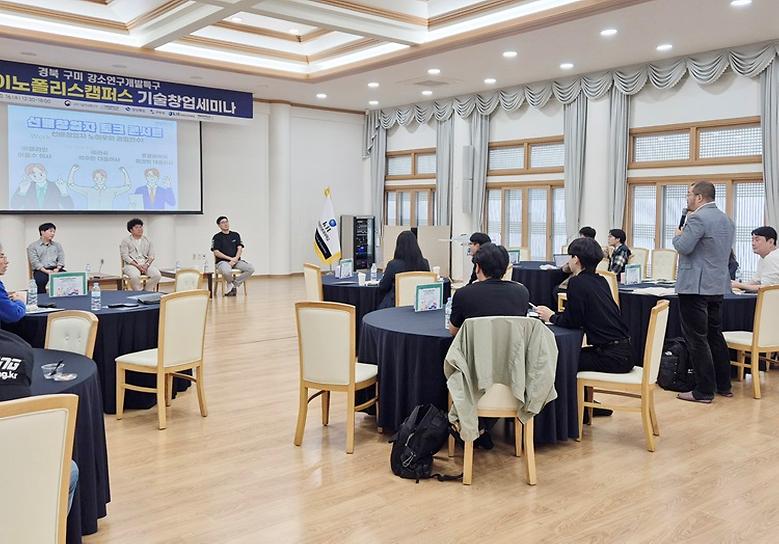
(236, 477)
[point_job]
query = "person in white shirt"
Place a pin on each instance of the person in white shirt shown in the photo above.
(137, 257)
(764, 244)
(99, 196)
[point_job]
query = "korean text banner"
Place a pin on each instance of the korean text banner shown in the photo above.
(33, 84)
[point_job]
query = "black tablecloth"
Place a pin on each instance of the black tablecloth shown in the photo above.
(410, 348)
(89, 444)
(363, 297)
(119, 331)
(738, 314)
(540, 283)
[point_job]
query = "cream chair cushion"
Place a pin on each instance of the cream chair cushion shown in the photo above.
(69, 334)
(633, 377)
(147, 357)
(406, 286)
(498, 397)
(738, 337)
(312, 277)
(364, 371)
(184, 329)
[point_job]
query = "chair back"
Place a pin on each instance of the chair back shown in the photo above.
(406, 286)
(639, 255)
(509, 272)
(312, 275)
(655, 338)
(766, 324)
(182, 327)
(36, 434)
(326, 333)
(664, 264)
(611, 277)
(603, 266)
(188, 279)
(71, 330)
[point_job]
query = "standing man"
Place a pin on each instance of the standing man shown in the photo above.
(476, 240)
(137, 255)
(12, 305)
(764, 244)
(46, 256)
(620, 253)
(227, 248)
(704, 248)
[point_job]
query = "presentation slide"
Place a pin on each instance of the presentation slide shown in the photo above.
(70, 160)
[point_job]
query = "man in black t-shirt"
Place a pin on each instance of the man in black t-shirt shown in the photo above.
(227, 248)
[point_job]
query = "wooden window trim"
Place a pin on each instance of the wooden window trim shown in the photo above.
(526, 144)
(412, 153)
(413, 190)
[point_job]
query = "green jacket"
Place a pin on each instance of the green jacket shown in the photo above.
(519, 352)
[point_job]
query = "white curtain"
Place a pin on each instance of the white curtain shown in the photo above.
(375, 147)
(443, 169)
(575, 140)
(617, 163)
(480, 140)
(769, 121)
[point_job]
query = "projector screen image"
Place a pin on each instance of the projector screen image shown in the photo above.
(69, 160)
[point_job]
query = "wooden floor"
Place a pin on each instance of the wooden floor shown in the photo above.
(235, 476)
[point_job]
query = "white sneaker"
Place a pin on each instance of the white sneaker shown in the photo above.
(228, 287)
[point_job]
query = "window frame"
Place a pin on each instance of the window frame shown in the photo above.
(694, 129)
(412, 153)
(413, 189)
(526, 144)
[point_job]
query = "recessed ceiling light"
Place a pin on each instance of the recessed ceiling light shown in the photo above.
(373, 84)
(490, 81)
(294, 31)
(509, 54)
(566, 66)
(236, 19)
(29, 54)
(427, 92)
(373, 102)
(434, 71)
(321, 96)
(119, 65)
(664, 47)
(608, 32)
(740, 3)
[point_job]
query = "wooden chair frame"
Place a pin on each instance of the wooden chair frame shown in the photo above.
(221, 284)
(189, 271)
(314, 268)
(44, 403)
(126, 279)
(755, 348)
(611, 277)
(644, 391)
(414, 274)
(165, 374)
(324, 389)
(89, 316)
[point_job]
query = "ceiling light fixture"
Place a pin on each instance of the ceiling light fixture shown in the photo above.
(427, 92)
(236, 20)
(373, 84)
(566, 66)
(321, 96)
(740, 3)
(608, 32)
(664, 47)
(490, 81)
(509, 54)
(373, 102)
(434, 71)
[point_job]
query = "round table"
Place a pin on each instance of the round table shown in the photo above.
(119, 331)
(539, 282)
(410, 347)
(738, 314)
(89, 444)
(365, 298)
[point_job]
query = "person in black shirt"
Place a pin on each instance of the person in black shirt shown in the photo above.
(408, 258)
(475, 242)
(227, 248)
(491, 295)
(591, 307)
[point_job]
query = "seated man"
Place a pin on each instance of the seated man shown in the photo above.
(591, 307)
(620, 254)
(227, 248)
(13, 305)
(584, 232)
(46, 256)
(474, 243)
(137, 257)
(764, 244)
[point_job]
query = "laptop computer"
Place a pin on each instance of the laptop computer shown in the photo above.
(560, 259)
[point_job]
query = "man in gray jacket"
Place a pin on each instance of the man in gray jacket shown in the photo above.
(704, 245)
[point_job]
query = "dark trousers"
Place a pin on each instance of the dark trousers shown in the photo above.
(614, 358)
(42, 279)
(702, 328)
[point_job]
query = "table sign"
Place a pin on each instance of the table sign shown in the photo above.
(429, 296)
(67, 284)
(631, 274)
(347, 268)
(514, 256)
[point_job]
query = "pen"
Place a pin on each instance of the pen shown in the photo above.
(56, 368)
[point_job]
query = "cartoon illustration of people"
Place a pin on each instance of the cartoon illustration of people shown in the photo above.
(36, 192)
(156, 194)
(99, 196)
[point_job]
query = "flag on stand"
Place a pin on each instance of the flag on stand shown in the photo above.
(327, 243)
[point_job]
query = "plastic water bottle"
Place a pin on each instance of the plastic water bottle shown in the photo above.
(374, 272)
(447, 312)
(32, 294)
(97, 303)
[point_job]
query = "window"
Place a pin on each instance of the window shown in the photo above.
(411, 206)
(539, 155)
(520, 215)
(411, 164)
(728, 141)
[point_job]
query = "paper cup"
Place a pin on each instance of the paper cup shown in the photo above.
(437, 271)
(361, 278)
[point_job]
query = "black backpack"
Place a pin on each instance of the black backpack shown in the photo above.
(420, 436)
(676, 372)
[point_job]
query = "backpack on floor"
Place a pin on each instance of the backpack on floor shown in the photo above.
(420, 436)
(676, 372)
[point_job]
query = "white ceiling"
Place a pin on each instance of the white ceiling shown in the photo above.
(692, 26)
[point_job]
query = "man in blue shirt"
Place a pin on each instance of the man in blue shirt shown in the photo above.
(12, 306)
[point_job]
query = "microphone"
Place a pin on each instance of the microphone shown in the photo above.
(100, 268)
(683, 218)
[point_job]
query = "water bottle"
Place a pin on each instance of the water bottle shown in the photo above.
(97, 303)
(374, 272)
(447, 312)
(32, 294)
